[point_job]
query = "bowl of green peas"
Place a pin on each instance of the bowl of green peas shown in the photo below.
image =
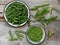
(36, 34)
(16, 13)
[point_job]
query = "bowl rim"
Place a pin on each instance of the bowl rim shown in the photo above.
(4, 14)
(41, 39)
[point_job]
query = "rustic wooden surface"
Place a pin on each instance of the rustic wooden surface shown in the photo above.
(54, 26)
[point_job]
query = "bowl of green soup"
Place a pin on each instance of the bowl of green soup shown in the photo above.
(35, 34)
(16, 13)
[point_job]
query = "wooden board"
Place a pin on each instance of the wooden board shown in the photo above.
(55, 26)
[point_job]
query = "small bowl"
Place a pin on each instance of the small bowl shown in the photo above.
(6, 17)
(32, 42)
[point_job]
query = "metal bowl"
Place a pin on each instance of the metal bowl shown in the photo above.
(32, 42)
(6, 17)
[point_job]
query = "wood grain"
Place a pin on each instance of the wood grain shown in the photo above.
(1, 17)
(3, 4)
(4, 27)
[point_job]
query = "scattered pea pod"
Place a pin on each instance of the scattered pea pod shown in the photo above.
(41, 6)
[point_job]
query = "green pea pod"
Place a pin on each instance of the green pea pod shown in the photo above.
(50, 34)
(20, 31)
(19, 36)
(11, 12)
(11, 36)
(44, 5)
(36, 7)
(39, 16)
(51, 19)
(42, 12)
(9, 8)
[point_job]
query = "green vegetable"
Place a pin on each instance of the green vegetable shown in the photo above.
(20, 31)
(51, 19)
(11, 36)
(20, 37)
(50, 34)
(18, 34)
(40, 16)
(36, 7)
(16, 13)
(35, 33)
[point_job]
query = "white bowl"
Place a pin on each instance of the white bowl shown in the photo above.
(6, 17)
(40, 40)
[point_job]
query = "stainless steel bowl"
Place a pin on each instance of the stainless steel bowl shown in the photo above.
(6, 17)
(42, 37)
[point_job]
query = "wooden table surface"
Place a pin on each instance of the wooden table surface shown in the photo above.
(54, 26)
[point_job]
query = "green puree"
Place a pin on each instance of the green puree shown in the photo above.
(16, 13)
(35, 33)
